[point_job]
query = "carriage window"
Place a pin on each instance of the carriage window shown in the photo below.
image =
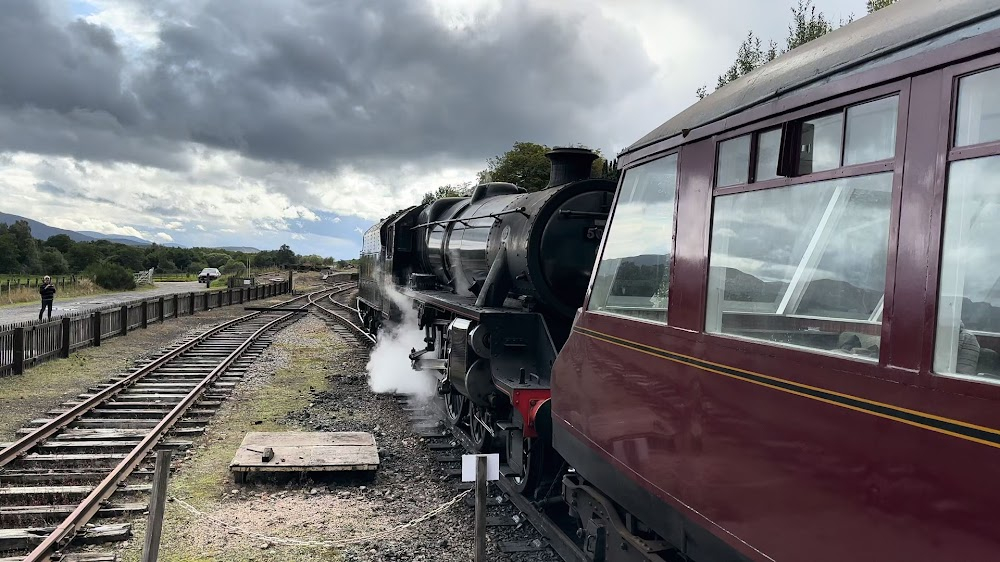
(633, 274)
(871, 131)
(978, 118)
(733, 167)
(768, 148)
(968, 324)
(820, 144)
(802, 265)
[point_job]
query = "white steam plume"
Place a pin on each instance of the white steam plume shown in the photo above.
(389, 368)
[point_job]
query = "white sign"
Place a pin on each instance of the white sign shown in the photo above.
(469, 467)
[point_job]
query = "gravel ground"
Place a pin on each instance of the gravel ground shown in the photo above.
(21, 313)
(309, 379)
(410, 480)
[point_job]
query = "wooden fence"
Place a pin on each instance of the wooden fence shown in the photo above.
(14, 284)
(29, 343)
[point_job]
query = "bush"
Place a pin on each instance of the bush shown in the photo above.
(111, 276)
(234, 268)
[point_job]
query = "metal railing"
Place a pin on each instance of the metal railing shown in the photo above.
(30, 343)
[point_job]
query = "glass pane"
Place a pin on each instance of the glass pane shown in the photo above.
(820, 149)
(968, 324)
(802, 265)
(768, 147)
(633, 274)
(734, 162)
(978, 118)
(871, 131)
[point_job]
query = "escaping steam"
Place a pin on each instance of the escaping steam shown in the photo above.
(389, 368)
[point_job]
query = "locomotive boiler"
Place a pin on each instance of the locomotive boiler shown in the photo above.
(495, 279)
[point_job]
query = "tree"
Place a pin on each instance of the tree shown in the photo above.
(284, 256)
(876, 5)
(217, 259)
(524, 165)
(807, 24)
(27, 248)
(8, 254)
(749, 56)
(460, 190)
(234, 268)
(82, 255)
(53, 262)
(131, 258)
(61, 242)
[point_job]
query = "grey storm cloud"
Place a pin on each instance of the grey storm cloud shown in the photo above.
(315, 83)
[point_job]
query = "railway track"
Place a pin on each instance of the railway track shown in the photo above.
(511, 510)
(91, 458)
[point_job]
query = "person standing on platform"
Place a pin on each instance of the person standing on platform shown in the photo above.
(48, 292)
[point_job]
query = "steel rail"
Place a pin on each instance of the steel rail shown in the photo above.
(361, 331)
(93, 502)
(23, 445)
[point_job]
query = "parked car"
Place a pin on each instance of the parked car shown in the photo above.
(208, 274)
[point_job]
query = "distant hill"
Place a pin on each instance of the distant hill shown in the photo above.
(244, 249)
(119, 238)
(43, 231)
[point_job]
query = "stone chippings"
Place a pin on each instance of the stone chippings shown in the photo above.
(409, 481)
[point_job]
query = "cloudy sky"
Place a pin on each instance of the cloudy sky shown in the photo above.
(257, 123)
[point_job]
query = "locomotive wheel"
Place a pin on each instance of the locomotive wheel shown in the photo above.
(455, 406)
(481, 438)
(532, 461)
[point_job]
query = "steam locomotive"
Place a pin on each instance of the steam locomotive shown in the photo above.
(805, 367)
(495, 280)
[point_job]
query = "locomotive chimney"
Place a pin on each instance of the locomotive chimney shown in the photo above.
(569, 164)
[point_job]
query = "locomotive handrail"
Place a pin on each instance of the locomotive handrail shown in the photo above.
(465, 220)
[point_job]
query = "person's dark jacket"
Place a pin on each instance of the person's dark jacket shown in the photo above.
(48, 292)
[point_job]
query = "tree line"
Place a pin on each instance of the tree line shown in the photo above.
(807, 24)
(524, 165)
(21, 253)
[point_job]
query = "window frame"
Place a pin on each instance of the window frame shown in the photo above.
(828, 107)
(585, 307)
(900, 88)
(948, 154)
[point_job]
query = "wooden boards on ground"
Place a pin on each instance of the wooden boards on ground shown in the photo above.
(302, 451)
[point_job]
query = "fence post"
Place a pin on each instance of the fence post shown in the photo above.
(144, 315)
(191, 305)
(18, 351)
(480, 508)
(205, 303)
(124, 313)
(177, 306)
(157, 503)
(65, 333)
(96, 322)
(160, 315)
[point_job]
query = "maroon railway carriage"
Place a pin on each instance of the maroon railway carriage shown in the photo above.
(789, 348)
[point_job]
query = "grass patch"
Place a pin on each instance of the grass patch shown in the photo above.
(204, 480)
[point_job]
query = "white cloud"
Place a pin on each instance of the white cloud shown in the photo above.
(174, 225)
(200, 227)
(296, 236)
(164, 237)
(336, 220)
(358, 230)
